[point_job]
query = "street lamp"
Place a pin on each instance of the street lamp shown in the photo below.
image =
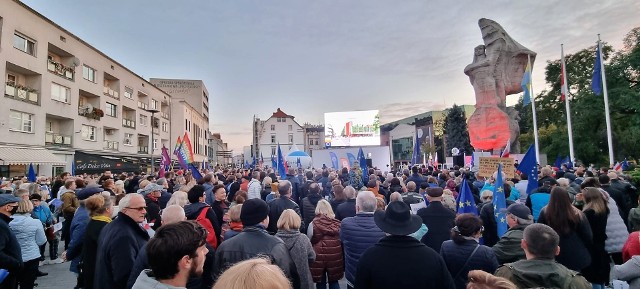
(153, 112)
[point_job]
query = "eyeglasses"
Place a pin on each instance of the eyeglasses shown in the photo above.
(139, 209)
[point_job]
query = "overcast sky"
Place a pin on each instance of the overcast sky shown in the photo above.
(310, 57)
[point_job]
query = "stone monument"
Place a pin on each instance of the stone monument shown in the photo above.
(497, 70)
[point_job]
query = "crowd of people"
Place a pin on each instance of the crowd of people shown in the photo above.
(252, 228)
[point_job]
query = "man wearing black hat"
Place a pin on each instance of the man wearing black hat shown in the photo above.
(394, 254)
(10, 252)
(438, 219)
(254, 240)
(508, 248)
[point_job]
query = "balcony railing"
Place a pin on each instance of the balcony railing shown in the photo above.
(61, 70)
(110, 145)
(128, 123)
(90, 112)
(19, 92)
(52, 138)
(143, 150)
(112, 93)
(143, 105)
(164, 115)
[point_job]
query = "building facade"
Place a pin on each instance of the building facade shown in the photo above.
(62, 95)
(313, 138)
(281, 129)
(219, 153)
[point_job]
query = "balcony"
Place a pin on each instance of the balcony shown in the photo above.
(156, 130)
(164, 115)
(143, 150)
(111, 145)
(60, 69)
(91, 112)
(20, 92)
(52, 138)
(143, 105)
(128, 123)
(111, 93)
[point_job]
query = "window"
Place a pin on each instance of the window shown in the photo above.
(21, 121)
(112, 110)
(143, 120)
(88, 132)
(273, 138)
(273, 127)
(89, 73)
(154, 104)
(290, 127)
(60, 93)
(127, 139)
(186, 124)
(11, 79)
(128, 92)
(290, 138)
(310, 142)
(316, 142)
(155, 144)
(165, 127)
(273, 151)
(25, 44)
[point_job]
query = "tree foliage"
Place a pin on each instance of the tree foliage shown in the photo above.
(622, 70)
(455, 131)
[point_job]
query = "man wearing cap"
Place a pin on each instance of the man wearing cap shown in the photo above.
(391, 262)
(152, 193)
(78, 227)
(10, 252)
(438, 219)
(508, 248)
(540, 270)
(119, 244)
(254, 240)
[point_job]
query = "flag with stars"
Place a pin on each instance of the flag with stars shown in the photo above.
(500, 203)
(529, 166)
(465, 202)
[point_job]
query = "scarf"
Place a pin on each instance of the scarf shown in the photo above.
(101, 219)
(235, 226)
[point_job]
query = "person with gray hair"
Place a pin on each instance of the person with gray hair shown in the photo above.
(277, 206)
(348, 208)
(358, 233)
(540, 245)
(508, 248)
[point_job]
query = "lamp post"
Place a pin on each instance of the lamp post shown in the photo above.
(153, 112)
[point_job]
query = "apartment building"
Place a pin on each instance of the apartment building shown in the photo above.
(280, 128)
(66, 106)
(313, 138)
(219, 153)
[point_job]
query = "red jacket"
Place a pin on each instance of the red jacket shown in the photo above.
(326, 244)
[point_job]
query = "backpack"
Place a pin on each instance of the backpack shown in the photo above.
(206, 223)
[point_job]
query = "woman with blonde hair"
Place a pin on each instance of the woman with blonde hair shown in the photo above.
(256, 273)
(299, 246)
(235, 223)
(324, 232)
(100, 209)
(266, 188)
(30, 235)
(479, 279)
(179, 198)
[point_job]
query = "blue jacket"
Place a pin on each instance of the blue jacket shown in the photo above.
(416, 178)
(357, 235)
(30, 235)
(456, 255)
(43, 213)
(208, 193)
(537, 200)
(78, 226)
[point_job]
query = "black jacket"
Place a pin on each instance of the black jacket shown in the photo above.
(456, 255)
(10, 252)
(90, 251)
(276, 207)
(192, 211)
(309, 210)
(490, 234)
(153, 212)
(395, 262)
(118, 246)
(254, 241)
(439, 221)
(346, 209)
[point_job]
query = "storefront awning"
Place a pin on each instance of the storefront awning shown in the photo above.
(25, 156)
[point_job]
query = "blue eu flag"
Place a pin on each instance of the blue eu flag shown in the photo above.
(529, 166)
(500, 203)
(465, 202)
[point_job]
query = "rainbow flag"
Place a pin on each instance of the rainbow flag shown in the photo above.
(179, 152)
(188, 148)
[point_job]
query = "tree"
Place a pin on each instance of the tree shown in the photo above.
(455, 130)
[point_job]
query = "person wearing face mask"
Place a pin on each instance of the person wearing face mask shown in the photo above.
(10, 252)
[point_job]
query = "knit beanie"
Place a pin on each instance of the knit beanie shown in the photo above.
(253, 212)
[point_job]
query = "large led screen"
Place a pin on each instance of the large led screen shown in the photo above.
(352, 128)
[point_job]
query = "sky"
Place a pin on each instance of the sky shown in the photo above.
(311, 57)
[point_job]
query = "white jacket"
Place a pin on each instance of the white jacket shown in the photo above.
(254, 189)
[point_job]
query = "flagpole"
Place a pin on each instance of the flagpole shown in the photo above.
(606, 104)
(533, 111)
(565, 90)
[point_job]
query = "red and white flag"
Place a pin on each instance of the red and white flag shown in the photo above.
(563, 84)
(507, 150)
(617, 166)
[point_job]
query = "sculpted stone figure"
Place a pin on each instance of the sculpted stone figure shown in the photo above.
(496, 71)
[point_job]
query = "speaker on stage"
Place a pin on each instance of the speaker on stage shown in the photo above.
(458, 160)
(369, 163)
